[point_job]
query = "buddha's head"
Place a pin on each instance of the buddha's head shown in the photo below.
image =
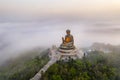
(68, 31)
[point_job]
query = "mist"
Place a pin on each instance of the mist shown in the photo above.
(29, 24)
(18, 37)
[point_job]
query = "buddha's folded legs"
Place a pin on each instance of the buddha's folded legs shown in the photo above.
(67, 45)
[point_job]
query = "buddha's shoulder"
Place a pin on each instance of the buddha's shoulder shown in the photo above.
(71, 35)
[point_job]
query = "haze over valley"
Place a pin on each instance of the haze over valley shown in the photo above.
(29, 24)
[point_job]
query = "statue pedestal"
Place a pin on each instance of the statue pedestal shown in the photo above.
(67, 54)
(66, 51)
(61, 54)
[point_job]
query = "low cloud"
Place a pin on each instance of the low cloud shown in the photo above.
(16, 37)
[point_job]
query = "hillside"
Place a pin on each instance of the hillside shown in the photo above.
(95, 66)
(25, 66)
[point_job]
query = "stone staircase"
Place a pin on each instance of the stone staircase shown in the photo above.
(54, 57)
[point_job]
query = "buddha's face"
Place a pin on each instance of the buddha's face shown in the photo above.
(68, 32)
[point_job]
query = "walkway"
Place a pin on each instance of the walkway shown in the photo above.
(54, 57)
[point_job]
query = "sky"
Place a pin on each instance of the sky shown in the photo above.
(30, 10)
(25, 24)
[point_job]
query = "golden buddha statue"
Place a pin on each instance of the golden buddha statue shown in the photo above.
(68, 41)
